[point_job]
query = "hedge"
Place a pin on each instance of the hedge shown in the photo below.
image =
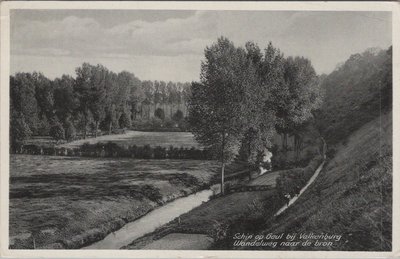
(111, 149)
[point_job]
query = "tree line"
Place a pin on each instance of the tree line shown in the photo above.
(246, 95)
(96, 99)
(356, 92)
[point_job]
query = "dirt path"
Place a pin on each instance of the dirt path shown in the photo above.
(294, 199)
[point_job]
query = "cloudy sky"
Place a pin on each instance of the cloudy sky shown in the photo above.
(169, 45)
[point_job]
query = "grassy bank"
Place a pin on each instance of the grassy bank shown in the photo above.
(215, 217)
(353, 194)
(64, 202)
(351, 197)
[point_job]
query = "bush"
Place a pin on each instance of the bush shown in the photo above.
(57, 131)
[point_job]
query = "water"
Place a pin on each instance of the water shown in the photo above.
(151, 221)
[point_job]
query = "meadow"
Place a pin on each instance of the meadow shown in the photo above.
(69, 202)
(141, 138)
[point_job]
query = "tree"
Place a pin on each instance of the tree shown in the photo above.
(70, 132)
(159, 113)
(64, 97)
(358, 91)
(303, 96)
(23, 101)
(44, 95)
(124, 121)
(157, 95)
(171, 96)
(217, 104)
(264, 75)
(90, 85)
(110, 119)
(98, 95)
(19, 129)
(57, 131)
(136, 97)
(148, 89)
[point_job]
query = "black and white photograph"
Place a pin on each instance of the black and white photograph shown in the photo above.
(187, 127)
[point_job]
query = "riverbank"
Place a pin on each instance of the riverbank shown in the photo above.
(208, 222)
(214, 223)
(69, 203)
(151, 221)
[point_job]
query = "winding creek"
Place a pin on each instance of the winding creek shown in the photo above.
(151, 221)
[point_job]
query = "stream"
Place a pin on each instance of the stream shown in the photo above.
(149, 222)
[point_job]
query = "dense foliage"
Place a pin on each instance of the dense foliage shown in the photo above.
(355, 93)
(96, 100)
(244, 96)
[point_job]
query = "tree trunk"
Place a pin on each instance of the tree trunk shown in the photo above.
(84, 126)
(223, 163)
(97, 127)
(286, 141)
(222, 178)
(109, 127)
(148, 111)
(296, 147)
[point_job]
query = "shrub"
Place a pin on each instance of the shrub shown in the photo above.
(57, 131)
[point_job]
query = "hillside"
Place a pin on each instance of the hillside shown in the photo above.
(355, 93)
(353, 194)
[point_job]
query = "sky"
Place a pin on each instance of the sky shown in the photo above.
(169, 45)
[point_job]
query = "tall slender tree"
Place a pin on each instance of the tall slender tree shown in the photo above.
(217, 105)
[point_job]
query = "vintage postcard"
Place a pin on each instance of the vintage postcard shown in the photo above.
(199, 129)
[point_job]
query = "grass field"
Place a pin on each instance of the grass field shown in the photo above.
(64, 202)
(139, 138)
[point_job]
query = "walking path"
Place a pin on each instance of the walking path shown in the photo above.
(294, 199)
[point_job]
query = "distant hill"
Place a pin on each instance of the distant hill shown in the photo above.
(355, 93)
